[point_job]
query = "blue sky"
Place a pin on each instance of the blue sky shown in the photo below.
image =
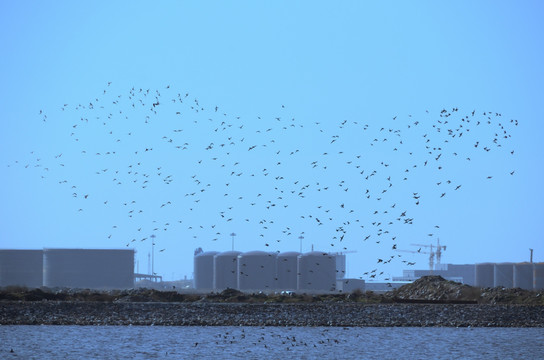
(329, 71)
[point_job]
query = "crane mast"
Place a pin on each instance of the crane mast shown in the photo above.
(433, 252)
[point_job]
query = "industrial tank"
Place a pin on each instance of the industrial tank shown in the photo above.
(225, 270)
(203, 270)
(21, 267)
(484, 274)
(256, 271)
(316, 271)
(286, 270)
(523, 276)
(504, 275)
(88, 268)
(538, 276)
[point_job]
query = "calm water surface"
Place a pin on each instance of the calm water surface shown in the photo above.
(148, 342)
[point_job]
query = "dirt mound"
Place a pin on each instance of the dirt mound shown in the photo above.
(435, 288)
(499, 295)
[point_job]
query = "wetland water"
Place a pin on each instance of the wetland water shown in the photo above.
(238, 342)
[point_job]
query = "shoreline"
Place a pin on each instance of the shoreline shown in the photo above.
(269, 314)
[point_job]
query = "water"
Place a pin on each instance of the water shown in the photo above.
(149, 342)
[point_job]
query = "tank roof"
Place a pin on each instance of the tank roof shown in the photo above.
(289, 253)
(257, 253)
(19, 250)
(229, 253)
(80, 249)
(207, 253)
(316, 253)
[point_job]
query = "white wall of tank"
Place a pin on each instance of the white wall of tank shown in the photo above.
(286, 270)
(523, 276)
(203, 270)
(538, 276)
(316, 271)
(225, 269)
(257, 271)
(503, 274)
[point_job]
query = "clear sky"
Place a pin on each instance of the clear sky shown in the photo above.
(350, 123)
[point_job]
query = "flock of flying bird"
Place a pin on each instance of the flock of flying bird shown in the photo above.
(155, 160)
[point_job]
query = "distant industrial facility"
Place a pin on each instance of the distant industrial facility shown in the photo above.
(21, 267)
(252, 271)
(72, 268)
(268, 271)
(525, 275)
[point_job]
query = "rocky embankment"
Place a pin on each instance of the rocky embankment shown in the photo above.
(430, 301)
(298, 314)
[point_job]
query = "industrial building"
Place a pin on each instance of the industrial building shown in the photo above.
(463, 273)
(72, 268)
(265, 271)
(526, 275)
(350, 285)
(21, 268)
(88, 268)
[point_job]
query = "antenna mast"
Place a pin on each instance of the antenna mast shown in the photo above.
(152, 254)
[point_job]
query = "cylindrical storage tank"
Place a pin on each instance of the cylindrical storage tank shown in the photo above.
(225, 269)
(256, 271)
(21, 268)
(523, 276)
(484, 274)
(538, 276)
(203, 270)
(88, 268)
(504, 275)
(316, 271)
(286, 270)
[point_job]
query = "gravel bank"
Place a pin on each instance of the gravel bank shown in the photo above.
(300, 314)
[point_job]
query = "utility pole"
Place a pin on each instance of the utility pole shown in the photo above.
(233, 235)
(153, 254)
(301, 237)
(531, 250)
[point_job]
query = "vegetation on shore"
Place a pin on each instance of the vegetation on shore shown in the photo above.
(428, 289)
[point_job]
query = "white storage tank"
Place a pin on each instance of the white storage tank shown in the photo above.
(538, 276)
(484, 275)
(88, 268)
(523, 276)
(286, 270)
(504, 275)
(316, 272)
(257, 271)
(203, 270)
(21, 268)
(225, 270)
